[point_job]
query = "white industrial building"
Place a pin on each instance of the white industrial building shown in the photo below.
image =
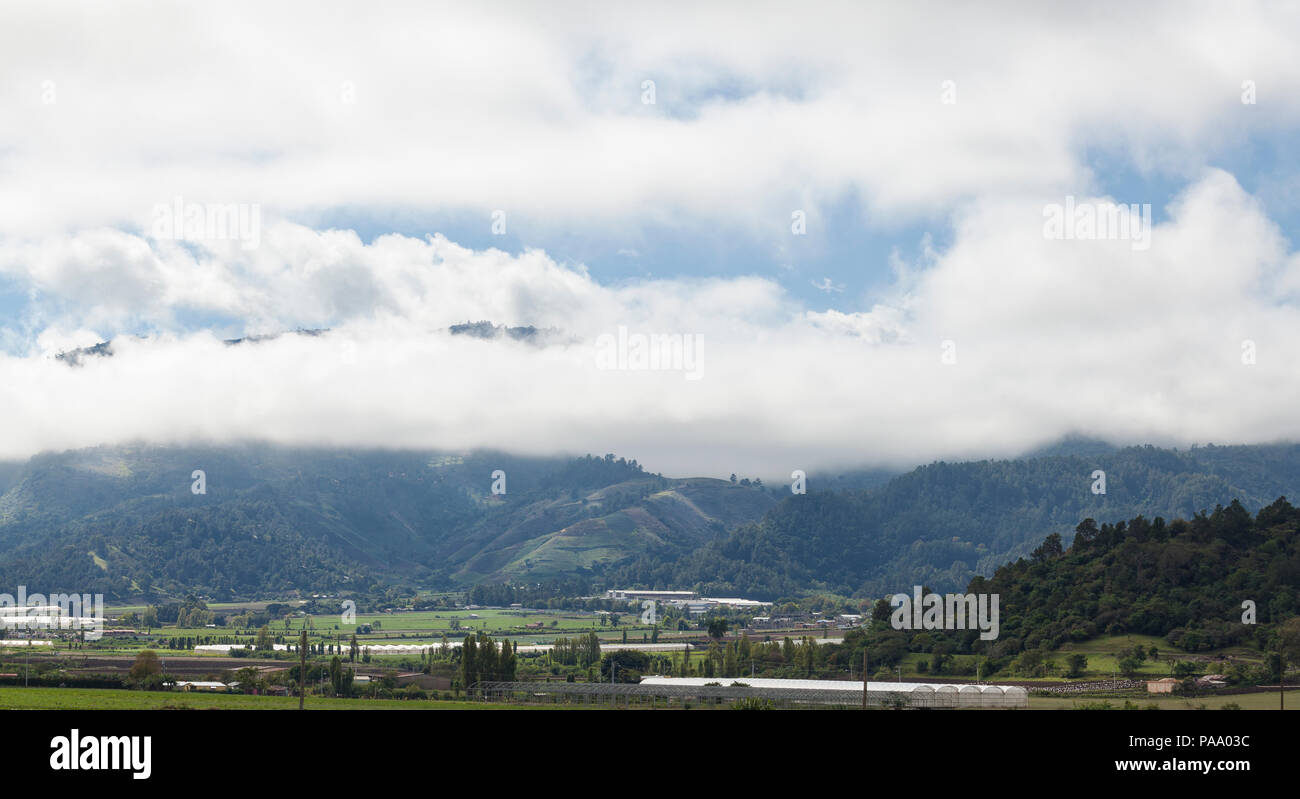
(911, 694)
(661, 596)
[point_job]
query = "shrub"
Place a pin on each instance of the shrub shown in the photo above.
(751, 703)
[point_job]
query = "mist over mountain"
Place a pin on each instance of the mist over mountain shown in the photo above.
(944, 523)
(126, 520)
(481, 330)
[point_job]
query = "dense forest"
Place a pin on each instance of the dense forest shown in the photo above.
(1184, 580)
(127, 521)
(945, 523)
(135, 522)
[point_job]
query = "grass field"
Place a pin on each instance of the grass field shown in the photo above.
(1264, 700)
(430, 625)
(113, 699)
(438, 621)
(416, 627)
(1103, 658)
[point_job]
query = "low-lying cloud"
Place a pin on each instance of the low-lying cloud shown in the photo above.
(1004, 340)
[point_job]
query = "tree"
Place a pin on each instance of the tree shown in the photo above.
(468, 664)
(591, 650)
(717, 628)
(1050, 549)
(939, 659)
(486, 659)
(1288, 640)
(336, 675)
(1030, 663)
(1077, 663)
(624, 666)
(302, 666)
(1129, 666)
(249, 679)
(264, 643)
(1288, 645)
(509, 661)
(146, 665)
(1182, 669)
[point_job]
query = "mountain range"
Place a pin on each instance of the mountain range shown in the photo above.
(127, 521)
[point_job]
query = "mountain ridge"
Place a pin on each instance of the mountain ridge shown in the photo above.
(276, 519)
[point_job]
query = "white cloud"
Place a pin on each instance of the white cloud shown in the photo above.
(330, 110)
(537, 110)
(1051, 337)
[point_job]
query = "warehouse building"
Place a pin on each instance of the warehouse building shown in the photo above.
(848, 692)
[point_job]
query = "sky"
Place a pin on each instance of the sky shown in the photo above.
(850, 219)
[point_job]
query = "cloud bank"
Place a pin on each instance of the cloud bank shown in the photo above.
(964, 121)
(1005, 340)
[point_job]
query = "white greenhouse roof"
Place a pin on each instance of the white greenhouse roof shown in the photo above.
(824, 685)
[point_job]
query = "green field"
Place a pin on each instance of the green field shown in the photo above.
(112, 699)
(115, 699)
(438, 621)
(1103, 659)
(415, 627)
(431, 624)
(1263, 700)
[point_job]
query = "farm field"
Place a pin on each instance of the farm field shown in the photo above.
(121, 699)
(114, 699)
(428, 627)
(431, 624)
(1262, 700)
(1103, 659)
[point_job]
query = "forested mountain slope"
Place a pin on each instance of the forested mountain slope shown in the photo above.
(942, 524)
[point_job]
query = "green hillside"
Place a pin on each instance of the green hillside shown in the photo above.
(944, 523)
(125, 521)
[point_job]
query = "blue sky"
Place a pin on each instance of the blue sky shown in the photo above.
(854, 255)
(925, 314)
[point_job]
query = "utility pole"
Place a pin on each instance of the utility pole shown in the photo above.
(1281, 681)
(864, 679)
(302, 666)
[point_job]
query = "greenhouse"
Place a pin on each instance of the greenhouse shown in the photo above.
(698, 691)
